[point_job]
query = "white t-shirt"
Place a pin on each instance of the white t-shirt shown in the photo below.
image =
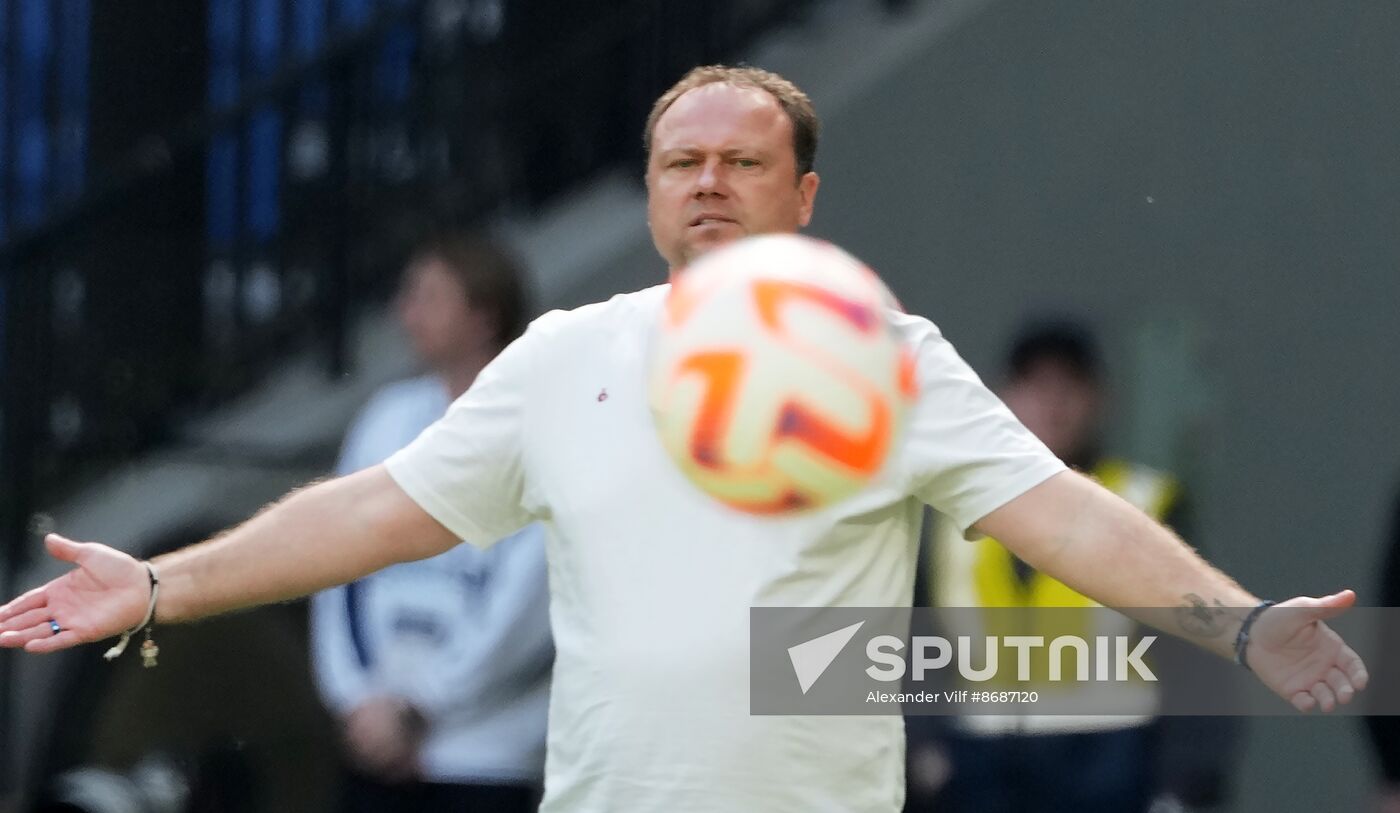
(651, 580)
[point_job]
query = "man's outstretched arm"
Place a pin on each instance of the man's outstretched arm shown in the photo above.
(325, 534)
(1097, 543)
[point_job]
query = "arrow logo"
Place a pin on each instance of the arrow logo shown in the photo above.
(811, 659)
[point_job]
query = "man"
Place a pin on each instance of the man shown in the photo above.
(1044, 763)
(650, 581)
(439, 670)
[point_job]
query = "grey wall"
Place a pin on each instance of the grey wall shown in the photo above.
(1227, 168)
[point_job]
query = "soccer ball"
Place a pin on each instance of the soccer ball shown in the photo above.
(777, 382)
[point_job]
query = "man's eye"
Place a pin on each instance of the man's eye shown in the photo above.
(746, 163)
(684, 163)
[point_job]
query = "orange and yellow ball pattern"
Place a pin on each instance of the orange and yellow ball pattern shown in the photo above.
(777, 381)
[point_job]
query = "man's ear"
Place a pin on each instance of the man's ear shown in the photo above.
(807, 193)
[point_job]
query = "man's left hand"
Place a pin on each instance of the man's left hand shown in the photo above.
(1302, 659)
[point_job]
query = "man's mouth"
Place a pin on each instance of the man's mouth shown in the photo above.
(711, 218)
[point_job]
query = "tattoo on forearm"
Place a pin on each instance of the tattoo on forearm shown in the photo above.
(1199, 618)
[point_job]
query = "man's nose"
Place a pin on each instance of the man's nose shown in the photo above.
(708, 181)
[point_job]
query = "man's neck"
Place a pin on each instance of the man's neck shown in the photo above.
(458, 376)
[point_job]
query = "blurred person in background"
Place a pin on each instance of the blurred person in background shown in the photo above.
(438, 670)
(1385, 731)
(1051, 763)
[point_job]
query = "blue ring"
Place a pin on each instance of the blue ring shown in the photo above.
(53, 625)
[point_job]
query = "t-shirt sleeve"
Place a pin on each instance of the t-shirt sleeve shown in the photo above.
(968, 454)
(467, 470)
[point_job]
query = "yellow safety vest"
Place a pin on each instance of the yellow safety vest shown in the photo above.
(982, 573)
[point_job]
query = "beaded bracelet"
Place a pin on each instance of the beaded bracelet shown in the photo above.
(1242, 637)
(149, 650)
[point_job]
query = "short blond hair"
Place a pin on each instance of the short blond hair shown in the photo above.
(805, 125)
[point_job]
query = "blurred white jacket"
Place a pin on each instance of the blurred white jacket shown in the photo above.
(463, 636)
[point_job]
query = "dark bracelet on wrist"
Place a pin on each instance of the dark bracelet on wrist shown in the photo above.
(1242, 637)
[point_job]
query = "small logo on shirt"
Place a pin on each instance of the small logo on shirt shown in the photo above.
(602, 395)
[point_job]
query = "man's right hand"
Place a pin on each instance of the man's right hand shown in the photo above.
(105, 595)
(383, 736)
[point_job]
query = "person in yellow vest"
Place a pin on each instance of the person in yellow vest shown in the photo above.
(1051, 763)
